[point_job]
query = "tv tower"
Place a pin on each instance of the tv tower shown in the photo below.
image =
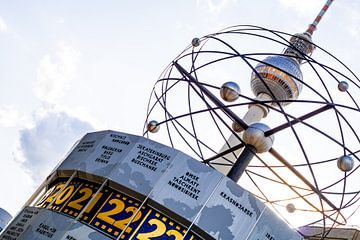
(277, 78)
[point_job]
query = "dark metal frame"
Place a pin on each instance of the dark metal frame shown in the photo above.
(170, 79)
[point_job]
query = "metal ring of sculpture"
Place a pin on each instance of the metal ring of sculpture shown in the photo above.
(311, 172)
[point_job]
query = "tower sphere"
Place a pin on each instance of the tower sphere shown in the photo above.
(345, 163)
(290, 207)
(279, 77)
(153, 126)
(255, 135)
(195, 42)
(230, 91)
(343, 86)
(236, 127)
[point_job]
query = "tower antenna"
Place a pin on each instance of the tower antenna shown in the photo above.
(312, 26)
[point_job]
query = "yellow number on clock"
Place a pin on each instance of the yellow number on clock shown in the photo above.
(53, 195)
(159, 230)
(106, 216)
(76, 203)
(121, 224)
(119, 207)
(64, 195)
(93, 202)
(45, 196)
(176, 234)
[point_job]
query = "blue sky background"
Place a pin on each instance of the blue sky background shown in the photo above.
(69, 67)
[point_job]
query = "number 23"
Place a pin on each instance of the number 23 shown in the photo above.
(159, 231)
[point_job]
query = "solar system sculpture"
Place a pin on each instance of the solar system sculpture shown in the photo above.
(294, 153)
(283, 125)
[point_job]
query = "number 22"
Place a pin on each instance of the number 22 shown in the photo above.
(119, 207)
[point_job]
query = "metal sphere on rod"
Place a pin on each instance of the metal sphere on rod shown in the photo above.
(153, 126)
(230, 91)
(345, 163)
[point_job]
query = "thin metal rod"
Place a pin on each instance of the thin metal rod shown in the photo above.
(302, 178)
(38, 190)
(145, 201)
(62, 189)
(219, 155)
(310, 202)
(201, 209)
(92, 199)
(297, 120)
(241, 163)
(211, 96)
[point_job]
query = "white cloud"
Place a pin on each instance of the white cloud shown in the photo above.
(12, 117)
(353, 19)
(305, 8)
(60, 20)
(354, 30)
(41, 147)
(215, 6)
(3, 26)
(55, 73)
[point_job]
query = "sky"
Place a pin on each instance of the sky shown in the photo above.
(70, 67)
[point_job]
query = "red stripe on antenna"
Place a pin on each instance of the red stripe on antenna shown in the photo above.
(312, 27)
